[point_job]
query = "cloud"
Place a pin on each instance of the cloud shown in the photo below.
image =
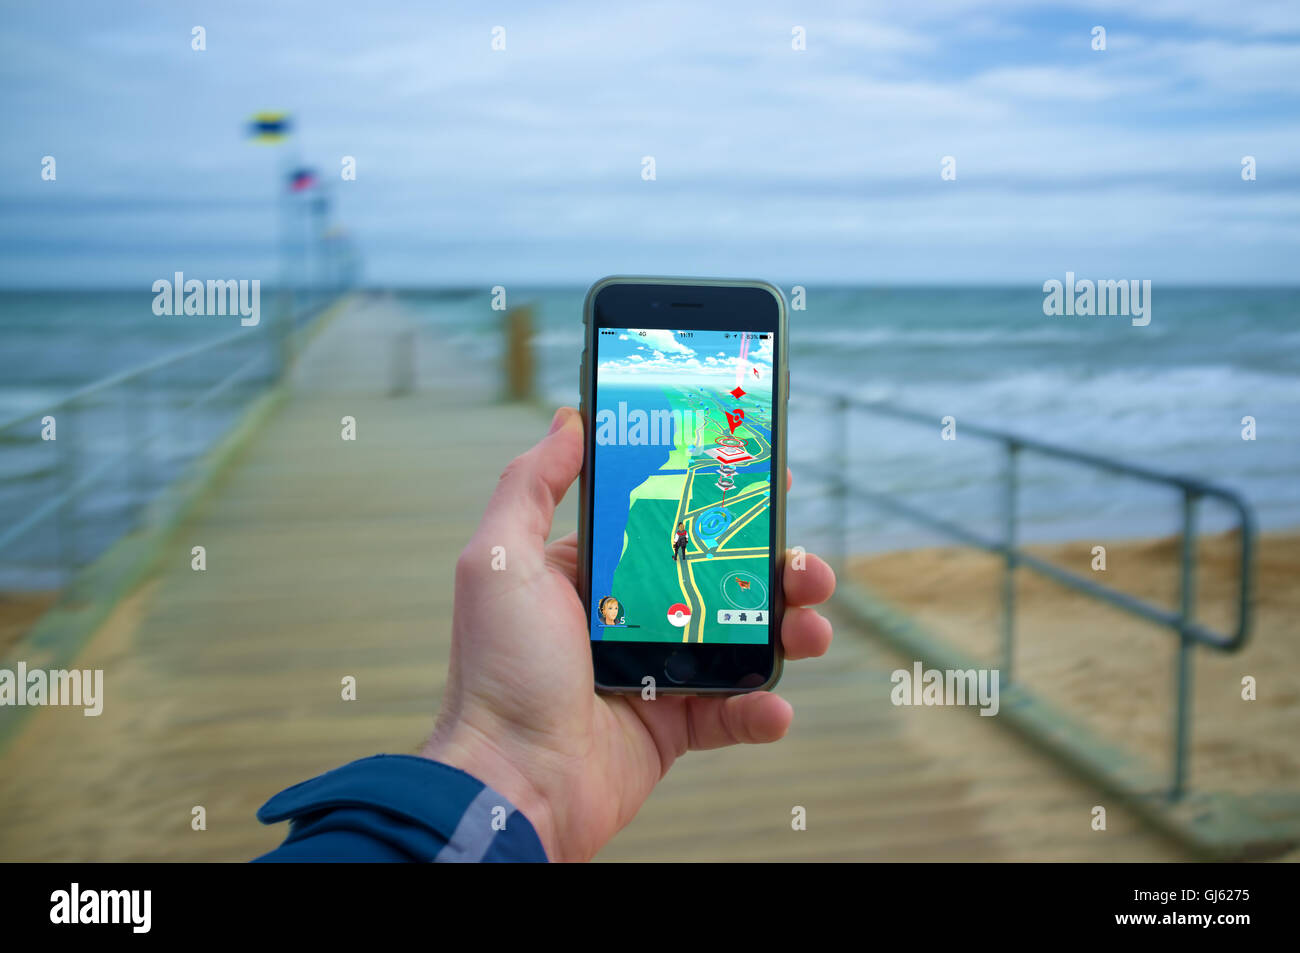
(660, 340)
(819, 165)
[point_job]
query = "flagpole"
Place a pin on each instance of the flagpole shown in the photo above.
(278, 128)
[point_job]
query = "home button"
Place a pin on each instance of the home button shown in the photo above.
(680, 666)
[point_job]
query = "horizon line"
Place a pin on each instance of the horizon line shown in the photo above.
(833, 284)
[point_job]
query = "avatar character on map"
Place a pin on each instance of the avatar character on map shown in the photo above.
(679, 541)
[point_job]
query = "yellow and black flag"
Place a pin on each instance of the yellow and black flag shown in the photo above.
(269, 127)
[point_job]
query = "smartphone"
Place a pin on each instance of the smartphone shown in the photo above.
(681, 521)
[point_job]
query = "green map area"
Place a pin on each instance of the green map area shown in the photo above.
(726, 563)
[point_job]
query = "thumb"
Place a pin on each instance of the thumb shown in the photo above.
(532, 486)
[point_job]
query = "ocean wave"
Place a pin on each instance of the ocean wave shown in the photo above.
(863, 338)
(1085, 393)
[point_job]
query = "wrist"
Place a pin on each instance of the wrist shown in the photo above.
(471, 751)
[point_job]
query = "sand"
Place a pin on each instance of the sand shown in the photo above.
(1116, 673)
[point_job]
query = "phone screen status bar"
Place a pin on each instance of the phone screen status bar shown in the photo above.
(607, 332)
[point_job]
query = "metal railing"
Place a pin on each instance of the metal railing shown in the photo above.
(1181, 622)
(237, 367)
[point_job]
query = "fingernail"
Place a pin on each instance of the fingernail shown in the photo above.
(556, 421)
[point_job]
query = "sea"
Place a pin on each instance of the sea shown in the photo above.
(1209, 389)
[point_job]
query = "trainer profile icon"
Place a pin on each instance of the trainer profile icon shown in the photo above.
(611, 611)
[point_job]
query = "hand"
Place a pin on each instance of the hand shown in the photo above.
(520, 711)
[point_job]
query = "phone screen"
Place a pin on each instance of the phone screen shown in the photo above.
(681, 497)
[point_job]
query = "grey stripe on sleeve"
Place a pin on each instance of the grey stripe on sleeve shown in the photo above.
(473, 835)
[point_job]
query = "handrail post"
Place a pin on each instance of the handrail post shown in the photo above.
(1009, 501)
(1183, 672)
(518, 360)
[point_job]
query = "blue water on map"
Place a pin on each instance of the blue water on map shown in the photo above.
(620, 468)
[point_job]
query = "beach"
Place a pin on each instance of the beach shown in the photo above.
(1114, 672)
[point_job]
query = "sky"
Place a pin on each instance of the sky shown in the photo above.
(477, 166)
(656, 355)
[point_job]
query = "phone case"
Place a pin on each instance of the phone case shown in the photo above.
(780, 399)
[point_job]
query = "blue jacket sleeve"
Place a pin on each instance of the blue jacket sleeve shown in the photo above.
(396, 807)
